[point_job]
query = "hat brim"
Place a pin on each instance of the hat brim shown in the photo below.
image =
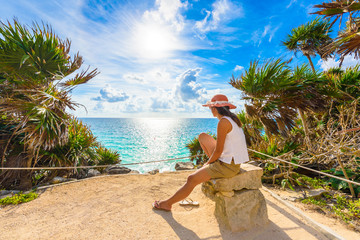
(231, 106)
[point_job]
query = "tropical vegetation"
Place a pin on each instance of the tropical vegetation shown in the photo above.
(37, 75)
(305, 116)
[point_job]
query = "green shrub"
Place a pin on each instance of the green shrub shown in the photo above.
(107, 156)
(341, 206)
(311, 200)
(342, 185)
(19, 198)
(311, 182)
(195, 149)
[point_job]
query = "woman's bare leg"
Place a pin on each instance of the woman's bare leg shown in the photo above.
(194, 179)
(207, 143)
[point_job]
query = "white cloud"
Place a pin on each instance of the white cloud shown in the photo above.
(266, 29)
(162, 100)
(109, 94)
(133, 105)
(222, 12)
(291, 3)
(269, 30)
(186, 96)
(131, 78)
(238, 68)
(187, 88)
(168, 11)
(309, 9)
(331, 62)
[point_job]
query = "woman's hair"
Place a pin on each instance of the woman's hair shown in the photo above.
(226, 112)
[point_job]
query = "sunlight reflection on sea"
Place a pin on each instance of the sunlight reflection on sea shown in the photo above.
(149, 139)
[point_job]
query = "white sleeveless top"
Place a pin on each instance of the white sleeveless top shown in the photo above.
(235, 145)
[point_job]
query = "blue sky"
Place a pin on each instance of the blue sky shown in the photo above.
(164, 58)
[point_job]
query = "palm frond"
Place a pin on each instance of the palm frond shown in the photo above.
(309, 38)
(80, 78)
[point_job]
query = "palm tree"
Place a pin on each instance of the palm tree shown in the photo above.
(348, 40)
(253, 129)
(195, 149)
(276, 93)
(34, 95)
(310, 39)
(343, 85)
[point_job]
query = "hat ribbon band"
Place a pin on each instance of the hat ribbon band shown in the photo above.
(218, 102)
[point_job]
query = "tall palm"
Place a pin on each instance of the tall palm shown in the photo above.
(343, 85)
(34, 96)
(276, 93)
(348, 40)
(252, 128)
(310, 39)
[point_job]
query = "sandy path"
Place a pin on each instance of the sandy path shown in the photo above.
(119, 207)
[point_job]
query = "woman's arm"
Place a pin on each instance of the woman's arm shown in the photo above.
(223, 128)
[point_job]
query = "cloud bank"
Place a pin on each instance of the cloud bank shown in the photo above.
(111, 95)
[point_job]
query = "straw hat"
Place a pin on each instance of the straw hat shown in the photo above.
(219, 100)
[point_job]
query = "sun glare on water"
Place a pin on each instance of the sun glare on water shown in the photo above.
(154, 41)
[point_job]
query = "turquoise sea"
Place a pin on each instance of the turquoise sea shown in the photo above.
(149, 139)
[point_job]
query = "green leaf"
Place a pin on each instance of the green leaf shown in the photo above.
(290, 186)
(283, 183)
(23, 59)
(294, 161)
(343, 185)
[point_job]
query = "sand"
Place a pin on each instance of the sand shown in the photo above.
(119, 207)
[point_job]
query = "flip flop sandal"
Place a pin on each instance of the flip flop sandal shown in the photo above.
(156, 206)
(189, 202)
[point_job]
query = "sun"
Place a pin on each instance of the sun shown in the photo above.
(154, 41)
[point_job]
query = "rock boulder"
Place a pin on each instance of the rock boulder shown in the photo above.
(239, 203)
(117, 170)
(93, 172)
(246, 209)
(184, 166)
(153, 172)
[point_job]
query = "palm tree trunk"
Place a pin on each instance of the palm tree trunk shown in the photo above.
(311, 63)
(25, 177)
(341, 61)
(306, 129)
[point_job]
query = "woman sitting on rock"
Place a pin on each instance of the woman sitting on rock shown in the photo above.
(225, 154)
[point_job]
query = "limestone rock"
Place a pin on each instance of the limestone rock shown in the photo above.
(245, 210)
(134, 172)
(225, 194)
(153, 172)
(117, 170)
(56, 180)
(184, 166)
(317, 193)
(249, 177)
(239, 203)
(4, 192)
(93, 172)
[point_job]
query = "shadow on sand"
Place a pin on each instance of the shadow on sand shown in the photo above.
(268, 231)
(186, 233)
(181, 231)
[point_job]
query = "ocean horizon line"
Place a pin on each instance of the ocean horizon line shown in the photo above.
(146, 117)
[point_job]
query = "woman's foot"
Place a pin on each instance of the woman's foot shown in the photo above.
(161, 205)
